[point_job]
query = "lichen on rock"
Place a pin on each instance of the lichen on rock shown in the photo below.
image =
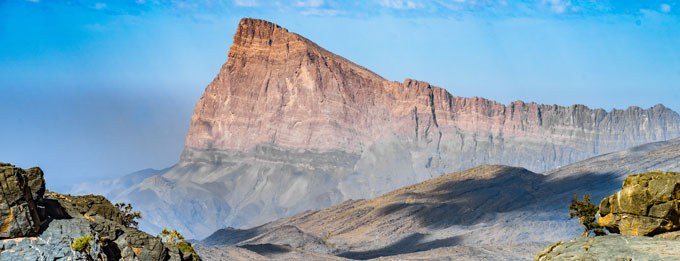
(648, 204)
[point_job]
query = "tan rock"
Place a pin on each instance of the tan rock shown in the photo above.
(646, 205)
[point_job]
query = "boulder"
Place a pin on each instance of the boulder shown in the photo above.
(143, 246)
(18, 211)
(647, 205)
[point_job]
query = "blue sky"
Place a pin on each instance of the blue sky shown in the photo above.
(96, 89)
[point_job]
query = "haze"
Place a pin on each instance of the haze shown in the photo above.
(96, 89)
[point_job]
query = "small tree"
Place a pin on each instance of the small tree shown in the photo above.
(171, 237)
(585, 211)
(130, 218)
(174, 238)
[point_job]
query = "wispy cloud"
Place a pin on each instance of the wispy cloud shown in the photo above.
(402, 4)
(309, 3)
(412, 8)
(247, 3)
(666, 8)
(100, 6)
(320, 12)
(560, 6)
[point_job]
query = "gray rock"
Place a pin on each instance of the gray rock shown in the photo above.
(612, 248)
(67, 218)
(18, 211)
(54, 243)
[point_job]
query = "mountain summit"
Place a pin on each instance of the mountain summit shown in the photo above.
(287, 126)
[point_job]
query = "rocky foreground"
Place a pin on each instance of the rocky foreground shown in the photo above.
(613, 247)
(647, 205)
(287, 126)
(40, 225)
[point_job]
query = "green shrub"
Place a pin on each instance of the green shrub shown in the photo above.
(186, 247)
(174, 238)
(585, 211)
(82, 244)
(171, 237)
(129, 217)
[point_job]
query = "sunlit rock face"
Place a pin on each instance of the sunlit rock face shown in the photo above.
(288, 126)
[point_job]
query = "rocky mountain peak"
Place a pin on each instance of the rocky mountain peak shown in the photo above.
(288, 126)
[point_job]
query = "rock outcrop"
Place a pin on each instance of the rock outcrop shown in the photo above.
(42, 225)
(612, 248)
(648, 204)
(287, 126)
(19, 191)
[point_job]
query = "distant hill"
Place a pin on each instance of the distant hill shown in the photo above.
(488, 212)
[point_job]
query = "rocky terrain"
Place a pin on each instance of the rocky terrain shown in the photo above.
(40, 225)
(647, 205)
(488, 212)
(287, 126)
(613, 248)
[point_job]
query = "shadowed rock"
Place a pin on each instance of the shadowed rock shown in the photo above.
(19, 191)
(484, 213)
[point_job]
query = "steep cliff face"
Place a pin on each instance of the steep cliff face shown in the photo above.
(280, 89)
(287, 126)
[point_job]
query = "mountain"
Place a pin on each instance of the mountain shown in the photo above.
(487, 212)
(113, 186)
(287, 126)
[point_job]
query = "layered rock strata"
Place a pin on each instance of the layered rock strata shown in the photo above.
(288, 126)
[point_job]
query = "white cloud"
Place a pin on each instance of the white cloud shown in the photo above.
(559, 6)
(401, 4)
(99, 6)
(320, 12)
(666, 8)
(247, 3)
(309, 3)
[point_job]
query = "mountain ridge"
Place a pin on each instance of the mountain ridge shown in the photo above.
(286, 126)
